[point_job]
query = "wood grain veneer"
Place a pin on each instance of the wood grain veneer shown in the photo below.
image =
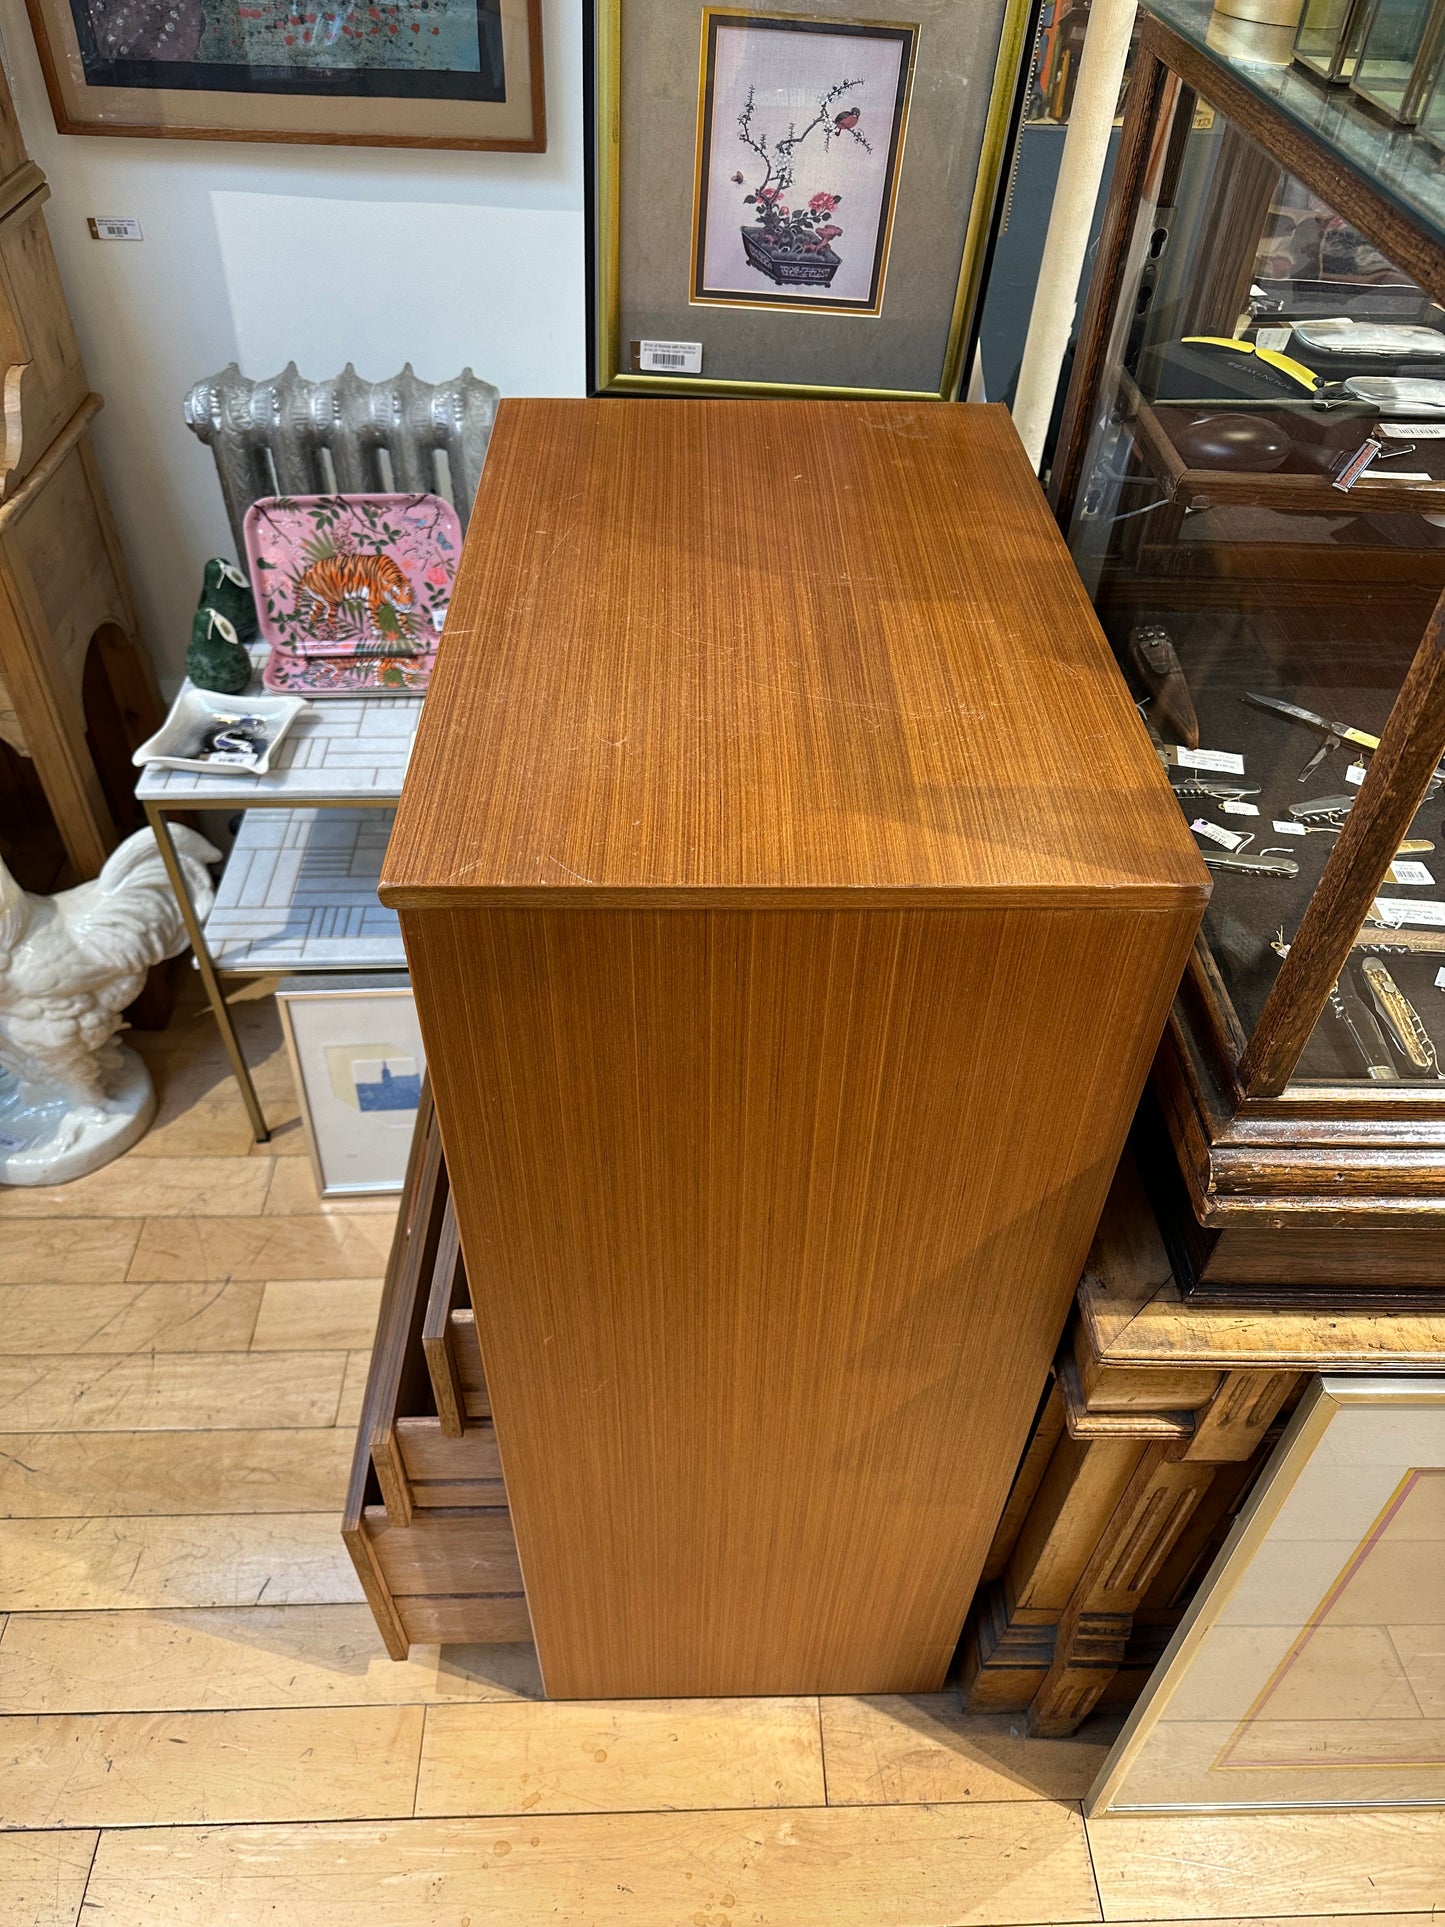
(752, 651)
(793, 904)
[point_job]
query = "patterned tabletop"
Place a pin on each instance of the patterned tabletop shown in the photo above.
(299, 893)
(343, 747)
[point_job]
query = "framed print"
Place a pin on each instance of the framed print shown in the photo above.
(1310, 1668)
(356, 1055)
(396, 73)
(794, 202)
(750, 247)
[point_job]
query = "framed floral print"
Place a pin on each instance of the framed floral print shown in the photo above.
(778, 153)
(812, 217)
(374, 73)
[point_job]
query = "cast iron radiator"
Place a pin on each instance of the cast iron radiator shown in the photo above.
(290, 436)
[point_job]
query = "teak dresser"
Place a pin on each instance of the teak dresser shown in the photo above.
(793, 903)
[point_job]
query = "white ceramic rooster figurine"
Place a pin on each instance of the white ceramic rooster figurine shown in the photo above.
(71, 1096)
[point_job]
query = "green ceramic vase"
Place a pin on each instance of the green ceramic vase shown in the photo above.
(217, 658)
(229, 594)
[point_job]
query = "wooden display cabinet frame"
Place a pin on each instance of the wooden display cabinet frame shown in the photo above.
(1317, 1195)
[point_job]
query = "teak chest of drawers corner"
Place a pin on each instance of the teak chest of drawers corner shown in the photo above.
(793, 903)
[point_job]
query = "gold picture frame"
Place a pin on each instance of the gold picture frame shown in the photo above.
(486, 95)
(1304, 1674)
(909, 343)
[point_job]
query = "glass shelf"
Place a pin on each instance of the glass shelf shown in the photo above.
(1404, 169)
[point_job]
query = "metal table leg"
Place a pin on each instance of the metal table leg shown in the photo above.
(215, 996)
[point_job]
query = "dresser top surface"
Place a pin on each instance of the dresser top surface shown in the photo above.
(743, 650)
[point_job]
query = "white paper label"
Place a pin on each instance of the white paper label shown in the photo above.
(1405, 870)
(234, 758)
(114, 227)
(1276, 338)
(1233, 807)
(1216, 833)
(1397, 475)
(1222, 761)
(1355, 774)
(1290, 828)
(670, 357)
(1440, 978)
(1410, 431)
(1402, 910)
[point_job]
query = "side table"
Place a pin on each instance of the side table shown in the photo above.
(298, 892)
(1160, 1416)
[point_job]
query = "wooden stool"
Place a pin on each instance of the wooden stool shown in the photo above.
(1159, 1418)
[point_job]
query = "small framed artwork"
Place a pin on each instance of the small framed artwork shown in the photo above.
(812, 218)
(395, 73)
(1308, 1670)
(804, 217)
(356, 1055)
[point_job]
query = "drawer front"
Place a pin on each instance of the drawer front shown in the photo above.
(465, 1622)
(444, 1471)
(462, 1336)
(426, 1519)
(449, 1337)
(446, 1553)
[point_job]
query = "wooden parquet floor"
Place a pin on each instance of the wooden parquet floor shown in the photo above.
(199, 1727)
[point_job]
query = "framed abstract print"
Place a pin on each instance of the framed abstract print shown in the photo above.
(356, 1058)
(1310, 1668)
(385, 73)
(794, 201)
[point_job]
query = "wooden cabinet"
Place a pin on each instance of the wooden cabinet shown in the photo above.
(1250, 469)
(793, 902)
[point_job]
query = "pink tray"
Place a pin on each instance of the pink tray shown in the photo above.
(351, 590)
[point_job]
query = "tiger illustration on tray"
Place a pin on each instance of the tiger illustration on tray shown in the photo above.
(324, 589)
(351, 590)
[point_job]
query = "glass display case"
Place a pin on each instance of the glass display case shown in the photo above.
(1251, 475)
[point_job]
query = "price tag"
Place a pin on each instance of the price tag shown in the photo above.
(1410, 431)
(1233, 807)
(1440, 978)
(1399, 910)
(1222, 761)
(1276, 338)
(234, 758)
(1355, 774)
(1405, 870)
(114, 227)
(669, 357)
(1288, 827)
(1216, 833)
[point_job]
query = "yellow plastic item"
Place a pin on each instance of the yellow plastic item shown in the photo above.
(1287, 365)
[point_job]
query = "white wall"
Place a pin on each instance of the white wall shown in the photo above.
(263, 254)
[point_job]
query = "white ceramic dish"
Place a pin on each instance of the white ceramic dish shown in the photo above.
(196, 714)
